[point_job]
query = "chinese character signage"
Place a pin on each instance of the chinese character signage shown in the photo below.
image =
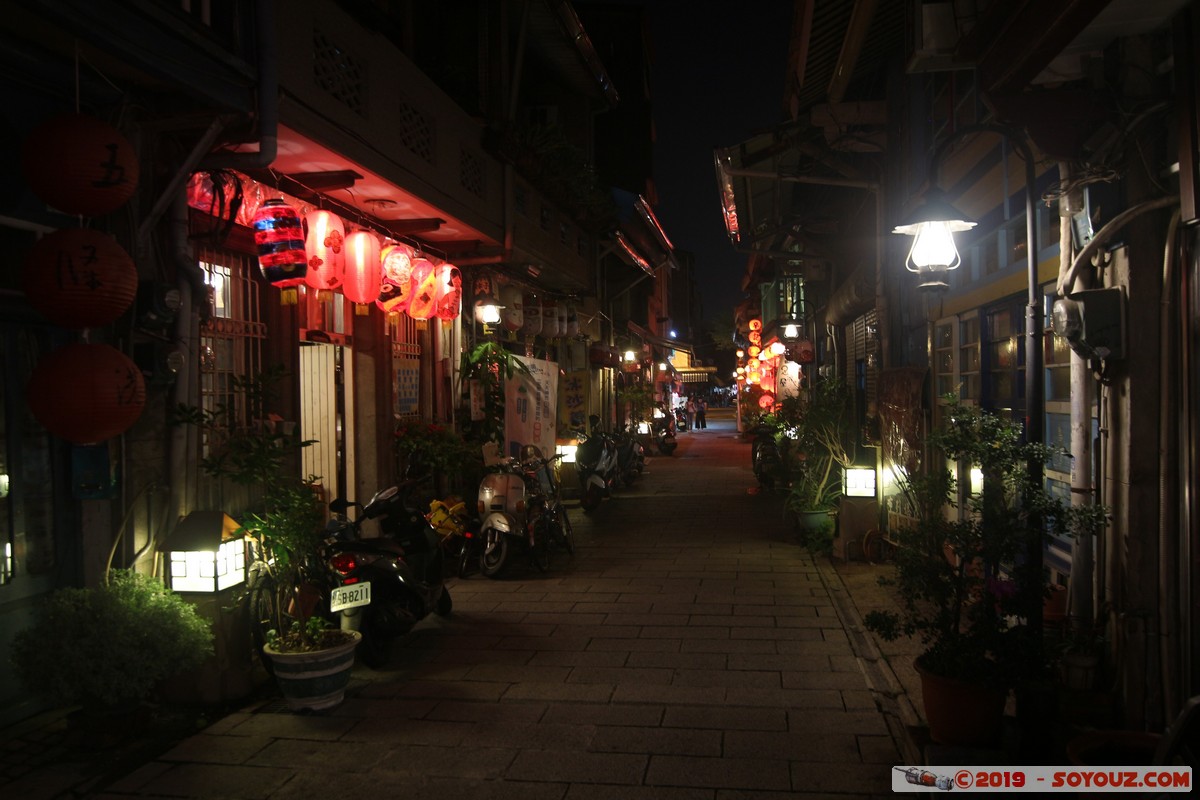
(572, 405)
(530, 404)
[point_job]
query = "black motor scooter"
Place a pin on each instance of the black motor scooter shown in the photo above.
(764, 456)
(388, 583)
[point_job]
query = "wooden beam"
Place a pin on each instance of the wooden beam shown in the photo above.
(852, 44)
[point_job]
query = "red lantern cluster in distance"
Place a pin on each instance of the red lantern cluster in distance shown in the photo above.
(80, 165)
(79, 278)
(86, 393)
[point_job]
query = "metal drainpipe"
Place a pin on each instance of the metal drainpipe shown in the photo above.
(1168, 589)
(183, 445)
(1081, 582)
(268, 99)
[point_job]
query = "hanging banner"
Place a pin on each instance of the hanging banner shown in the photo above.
(572, 404)
(530, 403)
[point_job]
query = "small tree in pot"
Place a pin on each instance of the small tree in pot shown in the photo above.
(817, 430)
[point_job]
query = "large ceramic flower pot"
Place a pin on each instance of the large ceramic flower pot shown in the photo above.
(317, 680)
(961, 712)
(812, 520)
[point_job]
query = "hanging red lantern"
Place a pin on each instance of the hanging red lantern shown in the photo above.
(324, 247)
(86, 393)
(423, 303)
(449, 291)
(513, 313)
(280, 242)
(363, 272)
(80, 165)
(395, 288)
(79, 278)
(766, 401)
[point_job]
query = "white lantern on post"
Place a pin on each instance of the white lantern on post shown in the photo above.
(205, 554)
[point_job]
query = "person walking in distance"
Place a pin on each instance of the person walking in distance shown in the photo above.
(701, 413)
(690, 411)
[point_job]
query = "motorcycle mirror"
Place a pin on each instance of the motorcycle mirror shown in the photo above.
(339, 505)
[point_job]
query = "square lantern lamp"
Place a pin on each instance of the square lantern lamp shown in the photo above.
(858, 482)
(205, 553)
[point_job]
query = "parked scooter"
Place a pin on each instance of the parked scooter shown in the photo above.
(597, 462)
(631, 457)
(764, 456)
(664, 432)
(388, 583)
(510, 502)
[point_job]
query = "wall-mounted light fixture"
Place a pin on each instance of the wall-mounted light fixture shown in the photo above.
(859, 482)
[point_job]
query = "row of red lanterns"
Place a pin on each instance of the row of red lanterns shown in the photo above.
(394, 277)
(78, 278)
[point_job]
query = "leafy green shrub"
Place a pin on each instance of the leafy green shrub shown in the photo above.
(111, 644)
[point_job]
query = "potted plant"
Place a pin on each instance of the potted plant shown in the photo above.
(310, 660)
(108, 647)
(818, 426)
(961, 581)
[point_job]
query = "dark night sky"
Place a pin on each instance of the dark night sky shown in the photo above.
(717, 79)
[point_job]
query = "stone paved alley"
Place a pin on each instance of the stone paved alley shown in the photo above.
(690, 650)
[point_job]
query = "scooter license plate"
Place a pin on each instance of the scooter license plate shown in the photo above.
(352, 596)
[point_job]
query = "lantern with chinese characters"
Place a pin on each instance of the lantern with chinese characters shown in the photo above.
(324, 247)
(423, 303)
(449, 291)
(280, 242)
(513, 313)
(572, 321)
(363, 275)
(549, 318)
(86, 393)
(533, 315)
(79, 278)
(80, 165)
(395, 289)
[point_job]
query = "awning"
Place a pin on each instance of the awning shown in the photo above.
(659, 341)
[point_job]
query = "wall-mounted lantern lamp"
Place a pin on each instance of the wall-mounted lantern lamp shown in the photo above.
(205, 554)
(630, 356)
(933, 253)
(859, 482)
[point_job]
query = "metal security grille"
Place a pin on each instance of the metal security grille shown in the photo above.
(230, 342)
(406, 368)
(339, 73)
(415, 131)
(471, 174)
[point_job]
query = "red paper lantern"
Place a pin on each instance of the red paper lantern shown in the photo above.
(280, 242)
(362, 280)
(423, 303)
(79, 278)
(326, 260)
(80, 165)
(449, 288)
(395, 288)
(86, 393)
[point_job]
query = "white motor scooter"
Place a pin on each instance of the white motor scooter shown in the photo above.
(505, 497)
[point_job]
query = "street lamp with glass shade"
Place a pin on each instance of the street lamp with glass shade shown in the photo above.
(933, 253)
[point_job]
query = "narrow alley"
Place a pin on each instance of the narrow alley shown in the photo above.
(689, 649)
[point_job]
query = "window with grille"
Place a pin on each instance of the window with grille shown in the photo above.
(230, 343)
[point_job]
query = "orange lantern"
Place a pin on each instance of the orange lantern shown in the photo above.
(80, 165)
(79, 278)
(363, 275)
(395, 289)
(756, 324)
(753, 351)
(449, 291)
(280, 242)
(423, 303)
(533, 315)
(755, 338)
(86, 393)
(324, 247)
(765, 401)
